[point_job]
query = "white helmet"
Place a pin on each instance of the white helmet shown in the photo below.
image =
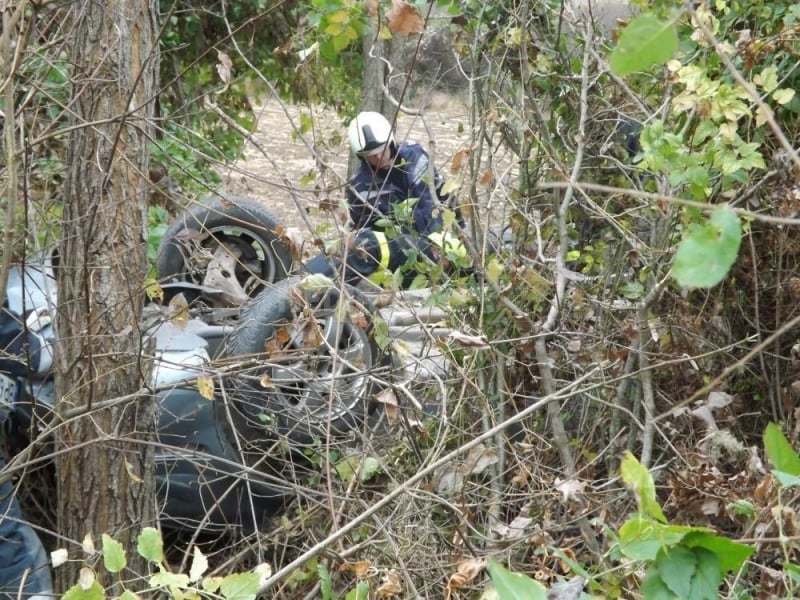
(369, 133)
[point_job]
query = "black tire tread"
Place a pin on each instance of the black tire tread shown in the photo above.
(219, 211)
(258, 321)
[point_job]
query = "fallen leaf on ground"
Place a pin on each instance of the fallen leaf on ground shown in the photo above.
(390, 585)
(514, 530)
(467, 571)
(569, 488)
(360, 569)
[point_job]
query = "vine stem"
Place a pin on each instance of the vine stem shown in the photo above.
(549, 325)
(656, 197)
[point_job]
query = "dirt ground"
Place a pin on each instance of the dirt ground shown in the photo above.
(293, 174)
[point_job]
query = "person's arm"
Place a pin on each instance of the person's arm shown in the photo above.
(427, 210)
(358, 187)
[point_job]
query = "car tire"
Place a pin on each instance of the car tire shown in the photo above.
(241, 226)
(310, 362)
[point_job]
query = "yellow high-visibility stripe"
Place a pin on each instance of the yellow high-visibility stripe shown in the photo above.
(383, 244)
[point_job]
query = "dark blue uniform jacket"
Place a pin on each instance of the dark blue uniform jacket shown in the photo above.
(374, 195)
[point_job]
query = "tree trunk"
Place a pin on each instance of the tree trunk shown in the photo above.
(384, 66)
(104, 466)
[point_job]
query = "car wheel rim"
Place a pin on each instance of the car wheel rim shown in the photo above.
(255, 264)
(324, 380)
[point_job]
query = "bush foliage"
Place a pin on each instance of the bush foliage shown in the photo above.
(638, 332)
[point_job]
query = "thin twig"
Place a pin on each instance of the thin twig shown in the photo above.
(409, 484)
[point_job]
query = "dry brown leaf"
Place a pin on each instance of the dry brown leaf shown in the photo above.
(294, 240)
(278, 341)
(337, 208)
(390, 408)
(486, 177)
(360, 569)
(358, 316)
(467, 571)
(283, 335)
(371, 7)
(404, 18)
(564, 562)
(521, 477)
(312, 334)
(479, 459)
(514, 530)
(569, 488)
(390, 585)
(459, 158)
(297, 297)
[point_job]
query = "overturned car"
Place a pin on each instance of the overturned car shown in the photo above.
(259, 366)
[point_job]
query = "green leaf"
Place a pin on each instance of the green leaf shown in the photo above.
(167, 579)
(211, 584)
(732, 555)
(113, 554)
(641, 538)
(767, 79)
(635, 475)
(742, 508)
(793, 571)
(128, 595)
(354, 466)
(654, 587)
(494, 268)
(240, 586)
(633, 290)
(325, 586)
(76, 592)
(646, 41)
(677, 566)
(783, 96)
(780, 452)
(707, 577)
(317, 281)
(513, 586)
(149, 545)
(360, 592)
(786, 480)
(707, 253)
